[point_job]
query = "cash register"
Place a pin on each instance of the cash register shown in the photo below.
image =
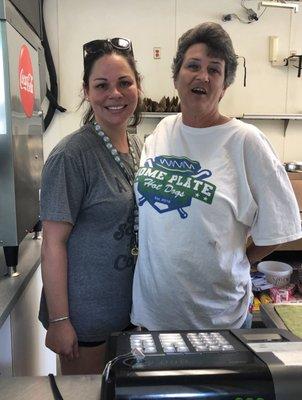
(242, 364)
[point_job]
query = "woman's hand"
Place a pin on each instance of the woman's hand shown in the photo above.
(62, 339)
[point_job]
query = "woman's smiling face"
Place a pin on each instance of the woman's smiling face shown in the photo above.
(200, 82)
(112, 91)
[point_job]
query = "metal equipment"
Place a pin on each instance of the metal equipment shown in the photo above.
(237, 364)
(21, 126)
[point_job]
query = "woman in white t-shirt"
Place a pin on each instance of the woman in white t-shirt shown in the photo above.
(206, 182)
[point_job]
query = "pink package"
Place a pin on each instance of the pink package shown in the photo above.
(280, 295)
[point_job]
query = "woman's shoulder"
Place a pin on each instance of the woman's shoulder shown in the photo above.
(170, 120)
(247, 129)
(246, 133)
(137, 140)
(165, 125)
(255, 142)
(75, 143)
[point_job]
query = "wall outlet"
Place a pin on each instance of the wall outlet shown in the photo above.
(156, 53)
(227, 17)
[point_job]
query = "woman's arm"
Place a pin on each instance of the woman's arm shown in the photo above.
(61, 337)
(257, 253)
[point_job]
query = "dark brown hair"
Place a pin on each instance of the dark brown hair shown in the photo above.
(89, 61)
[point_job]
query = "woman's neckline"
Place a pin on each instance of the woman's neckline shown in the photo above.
(220, 125)
(220, 121)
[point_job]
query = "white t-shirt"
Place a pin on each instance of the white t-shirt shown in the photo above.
(201, 192)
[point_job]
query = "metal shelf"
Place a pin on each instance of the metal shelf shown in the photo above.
(243, 116)
(272, 116)
(285, 117)
(157, 114)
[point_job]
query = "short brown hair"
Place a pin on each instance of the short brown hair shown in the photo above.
(218, 42)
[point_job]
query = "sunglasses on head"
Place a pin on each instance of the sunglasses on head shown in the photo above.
(97, 46)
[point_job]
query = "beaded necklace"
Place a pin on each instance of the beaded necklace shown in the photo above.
(130, 179)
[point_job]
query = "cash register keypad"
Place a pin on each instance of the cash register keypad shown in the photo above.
(176, 343)
(143, 342)
(172, 343)
(209, 341)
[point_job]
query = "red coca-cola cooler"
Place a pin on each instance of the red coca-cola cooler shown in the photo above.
(21, 124)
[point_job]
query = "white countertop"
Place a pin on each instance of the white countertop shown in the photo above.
(76, 387)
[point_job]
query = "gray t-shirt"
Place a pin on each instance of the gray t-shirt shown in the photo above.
(82, 184)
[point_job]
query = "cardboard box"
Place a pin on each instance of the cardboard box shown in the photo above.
(296, 181)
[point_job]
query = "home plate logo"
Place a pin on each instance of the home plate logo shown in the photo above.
(26, 81)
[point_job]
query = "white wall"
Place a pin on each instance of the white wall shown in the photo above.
(158, 23)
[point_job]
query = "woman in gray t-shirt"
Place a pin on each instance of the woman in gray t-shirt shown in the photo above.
(88, 212)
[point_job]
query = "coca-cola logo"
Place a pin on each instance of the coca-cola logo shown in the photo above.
(26, 81)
